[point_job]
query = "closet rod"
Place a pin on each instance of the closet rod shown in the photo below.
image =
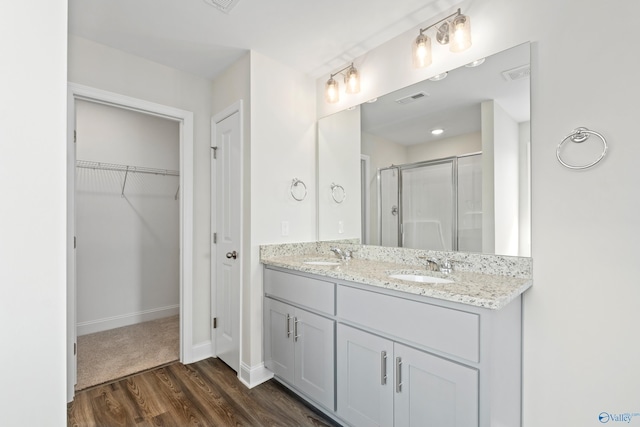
(124, 168)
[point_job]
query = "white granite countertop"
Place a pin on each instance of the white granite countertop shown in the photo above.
(492, 291)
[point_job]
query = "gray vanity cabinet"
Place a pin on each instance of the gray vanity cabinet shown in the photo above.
(385, 383)
(299, 344)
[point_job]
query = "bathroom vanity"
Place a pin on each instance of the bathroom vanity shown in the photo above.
(368, 349)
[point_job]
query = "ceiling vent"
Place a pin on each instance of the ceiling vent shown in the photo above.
(412, 98)
(522, 72)
(222, 5)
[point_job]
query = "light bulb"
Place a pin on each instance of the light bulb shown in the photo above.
(352, 80)
(460, 37)
(332, 94)
(422, 51)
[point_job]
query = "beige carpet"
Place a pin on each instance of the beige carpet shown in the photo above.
(108, 355)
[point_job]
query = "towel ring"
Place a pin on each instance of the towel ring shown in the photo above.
(579, 136)
(294, 184)
(338, 199)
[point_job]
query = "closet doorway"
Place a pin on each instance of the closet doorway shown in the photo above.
(128, 216)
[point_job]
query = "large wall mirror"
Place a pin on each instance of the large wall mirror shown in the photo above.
(443, 164)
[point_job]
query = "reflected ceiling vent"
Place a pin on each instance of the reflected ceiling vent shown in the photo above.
(222, 5)
(412, 98)
(522, 72)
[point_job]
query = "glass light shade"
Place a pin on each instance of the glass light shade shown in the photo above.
(460, 34)
(422, 51)
(352, 80)
(331, 91)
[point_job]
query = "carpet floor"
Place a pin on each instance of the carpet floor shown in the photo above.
(116, 353)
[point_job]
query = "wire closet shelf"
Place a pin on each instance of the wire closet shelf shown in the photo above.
(86, 164)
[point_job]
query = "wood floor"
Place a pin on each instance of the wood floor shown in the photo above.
(206, 393)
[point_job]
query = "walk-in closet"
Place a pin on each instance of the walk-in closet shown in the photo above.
(128, 241)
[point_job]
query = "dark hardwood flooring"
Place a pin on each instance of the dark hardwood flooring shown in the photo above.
(205, 393)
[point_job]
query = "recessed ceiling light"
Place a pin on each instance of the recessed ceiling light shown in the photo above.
(351, 108)
(438, 131)
(372, 100)
(475, 63)
(439, 77)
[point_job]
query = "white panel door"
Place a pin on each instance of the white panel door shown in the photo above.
(228, 140)
(365, 378)
(278, 338)
(431, 391)
(313, 337)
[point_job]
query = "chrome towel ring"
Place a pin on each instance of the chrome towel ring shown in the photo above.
(337, 193)
(579, 136)
(294, 185)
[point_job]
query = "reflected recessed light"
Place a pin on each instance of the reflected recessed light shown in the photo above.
(351, 108)
(437, 132)
(475, 63)
(439, 77)
(372, 100)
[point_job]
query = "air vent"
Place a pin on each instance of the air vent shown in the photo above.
(412, 98)
(522, 72)
(223, 5)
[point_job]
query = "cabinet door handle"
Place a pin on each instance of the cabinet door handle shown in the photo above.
(383, 368)
(288, 325)
(398, 375)
(295, 329)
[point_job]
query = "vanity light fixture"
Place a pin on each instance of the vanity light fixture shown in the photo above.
(351, 81)
(456, 33)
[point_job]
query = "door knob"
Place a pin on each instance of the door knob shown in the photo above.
(233, 255)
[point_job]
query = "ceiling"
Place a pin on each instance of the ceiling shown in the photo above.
(452, 104)
(312, 36)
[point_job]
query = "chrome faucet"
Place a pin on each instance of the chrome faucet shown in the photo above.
(344, 255)
(432, 265)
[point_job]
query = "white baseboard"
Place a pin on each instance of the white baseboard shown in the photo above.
(201, 351)
(98, 325)
(252, 376)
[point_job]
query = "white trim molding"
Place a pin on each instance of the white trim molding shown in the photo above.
(104, 324)
(252, 376)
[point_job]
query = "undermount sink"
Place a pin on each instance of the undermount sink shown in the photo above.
(421, 278)
(321, 262)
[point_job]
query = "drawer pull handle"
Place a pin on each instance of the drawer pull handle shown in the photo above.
(398, 375)
(288, 325)
(383, 368)
(295, 329)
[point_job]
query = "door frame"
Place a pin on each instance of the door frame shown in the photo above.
(186, 135)
(236, 107)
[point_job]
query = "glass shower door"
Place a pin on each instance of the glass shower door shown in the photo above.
(428, 206)
(389, 211)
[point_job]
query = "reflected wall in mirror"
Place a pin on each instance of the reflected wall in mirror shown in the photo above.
(467, 188)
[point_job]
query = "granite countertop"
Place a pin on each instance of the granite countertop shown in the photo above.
(492, 291)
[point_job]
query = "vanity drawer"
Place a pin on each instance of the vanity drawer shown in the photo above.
(300, 290)
(447, 330)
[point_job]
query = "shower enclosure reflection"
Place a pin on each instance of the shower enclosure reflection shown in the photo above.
(433, 205)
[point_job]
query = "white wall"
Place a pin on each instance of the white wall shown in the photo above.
(338, 151)
(283, 147)
(33, 212)
(127, 257)
(500, 184)
(102, 67)
(445, 147)
(581, 316)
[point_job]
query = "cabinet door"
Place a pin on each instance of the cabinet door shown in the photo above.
(365, 378)
(431, 391)
(314, 357)
(278, 338)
